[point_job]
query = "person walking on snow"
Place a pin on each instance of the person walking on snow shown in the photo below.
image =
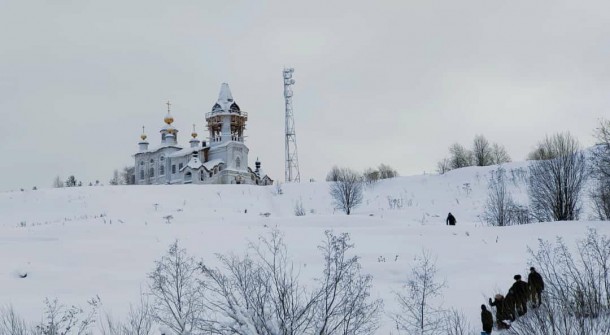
(520, 289)
(536, 286)
(450, 220)
(487, 320)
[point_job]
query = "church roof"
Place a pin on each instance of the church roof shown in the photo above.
(184, 152)
(211, 164)
(225, 101)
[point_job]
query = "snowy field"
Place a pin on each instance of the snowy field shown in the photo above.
(77, 243)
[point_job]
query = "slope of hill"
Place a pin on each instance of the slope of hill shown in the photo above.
(76, 243)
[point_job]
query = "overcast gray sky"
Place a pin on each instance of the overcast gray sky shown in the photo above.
(376, 81)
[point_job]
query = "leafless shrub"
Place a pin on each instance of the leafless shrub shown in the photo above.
(456, 323)
(62, 320)
(176, 291)
(139, 321)
(11, 323)
(298, 208)
(555, 184)
(421, 312)
(261, 294)
(347, 190)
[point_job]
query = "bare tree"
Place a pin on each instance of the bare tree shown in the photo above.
(11, 323)
(459, 156)
(371, 176)
(420, 309)
(176, 291)
(555, 185)
(333, 174)
(261, 294)
(128, 176)
(443, 166)
(347, 190)
(500, 208)
(344, 306)
(600, 170)
(482, 151)
(258, 295)
(577, 288)
(499, 154)
(386, 172)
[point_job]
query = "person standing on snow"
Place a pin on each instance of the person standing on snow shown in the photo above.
(487, 320)
(450, 220)
(536, 286)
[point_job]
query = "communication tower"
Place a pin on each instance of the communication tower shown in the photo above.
(292, 158)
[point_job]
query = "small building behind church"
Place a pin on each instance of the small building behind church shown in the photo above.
(222, 159)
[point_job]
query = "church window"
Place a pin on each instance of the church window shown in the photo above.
(180, 166)
(237, 163)
(142, 173)
(201, 175)
(151, 172)
(210, 174)
(162, 158)
(188, 177)
(161, 170)
(141, 163)
(173, 168)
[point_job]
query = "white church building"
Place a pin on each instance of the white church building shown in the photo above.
(223, 159)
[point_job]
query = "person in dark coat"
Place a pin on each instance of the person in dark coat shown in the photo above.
(509, 305)
(451, 220)
(536, 286)
(521, 290)
(502, 312)
(487, 320)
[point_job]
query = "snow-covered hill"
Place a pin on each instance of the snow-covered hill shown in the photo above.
(76, 243)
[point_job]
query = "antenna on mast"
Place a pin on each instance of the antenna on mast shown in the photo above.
(292, 159)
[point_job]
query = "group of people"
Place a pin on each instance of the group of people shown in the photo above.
(514, 304)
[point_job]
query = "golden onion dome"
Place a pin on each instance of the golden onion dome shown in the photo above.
(143, 137)
(194, 134)
(168, 119)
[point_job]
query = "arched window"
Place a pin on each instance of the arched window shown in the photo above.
(201, 175)
(237, 163)
(142, 173)
(188, 177)
(141, 163)
(151, 172)
(161, 170)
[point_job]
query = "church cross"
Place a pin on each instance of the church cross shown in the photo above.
(168, 105)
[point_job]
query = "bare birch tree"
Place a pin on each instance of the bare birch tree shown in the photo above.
(421, 312)
(176, 291)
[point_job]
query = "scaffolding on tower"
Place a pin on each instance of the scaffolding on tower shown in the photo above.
(292, 159)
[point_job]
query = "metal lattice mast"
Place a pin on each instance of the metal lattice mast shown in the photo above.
(292, 158)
